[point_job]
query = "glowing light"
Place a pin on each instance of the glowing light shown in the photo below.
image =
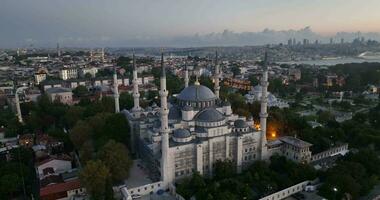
(273, 134)
(257, 126)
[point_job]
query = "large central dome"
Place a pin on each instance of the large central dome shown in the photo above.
(196, 93)
(196, 96)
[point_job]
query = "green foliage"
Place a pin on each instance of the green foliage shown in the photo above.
(224, 170)
(235, 70)
(356, 175)
(259, 179)
(174, 84)
(374, 116)
(126, 100)
(359, 75)
(253, 79)
(17, 172)
(125, 62)
(80, 91)
(116, 158)
(94, 178)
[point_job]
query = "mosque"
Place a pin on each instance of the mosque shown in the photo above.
(197, 128)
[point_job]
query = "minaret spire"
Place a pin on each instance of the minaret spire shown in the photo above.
(216, 76)
(263, 112)
(165, 172)
(136, 95)
(116, 91)
(186, 76)
(102, 55)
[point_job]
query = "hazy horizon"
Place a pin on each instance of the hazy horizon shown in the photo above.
(119, 23)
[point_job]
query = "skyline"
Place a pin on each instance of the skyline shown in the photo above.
(128, 23)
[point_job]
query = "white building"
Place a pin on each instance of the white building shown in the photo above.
(92, 71)
(54, 165)
(39, 77)
(68, 73)
(63, 95)
(176, 139)
(256, 94)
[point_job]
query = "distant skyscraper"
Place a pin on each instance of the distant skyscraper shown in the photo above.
(316, 42)
(294, 41)
(331, 41)
(341, 41)
(58, 50)
(290, 42)
(305, 41)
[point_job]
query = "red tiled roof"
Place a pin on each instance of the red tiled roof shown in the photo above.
(60, 187)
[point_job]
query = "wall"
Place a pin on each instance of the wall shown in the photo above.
(287, 192)
(147, 189)
(342, 149)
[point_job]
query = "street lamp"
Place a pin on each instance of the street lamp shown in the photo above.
(335, 191)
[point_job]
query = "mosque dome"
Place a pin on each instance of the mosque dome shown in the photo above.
(196, 96)
(196, 93)
(240, 124)
(181, 135)
(209, 115)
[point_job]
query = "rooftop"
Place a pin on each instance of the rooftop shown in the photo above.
(57, 90)
(295, 141)
(60, 187)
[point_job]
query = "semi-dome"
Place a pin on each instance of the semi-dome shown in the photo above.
(196, 93)
(240, 124)
(181, 133)
(209, 115)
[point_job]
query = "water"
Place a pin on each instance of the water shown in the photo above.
(330, 62)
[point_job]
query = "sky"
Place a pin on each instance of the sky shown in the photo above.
(124, 22)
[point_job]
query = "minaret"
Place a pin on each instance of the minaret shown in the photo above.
(91, 55)
(136, 95)
(102, 55)
(216, 76)
(186, 76)
(263, 112)
(18, 108)
(116, 91)
(165, 172)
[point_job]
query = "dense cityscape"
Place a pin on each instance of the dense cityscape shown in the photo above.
(295, 118)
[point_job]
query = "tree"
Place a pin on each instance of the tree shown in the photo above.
(235, 70)
(73, 115)
(374, 116)
(253, 80)
(116, 157)
(116, 127)
(223, 169)
(9, 184)
(94, 178)
(81, 133)
(80, 91)
(126, 101)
